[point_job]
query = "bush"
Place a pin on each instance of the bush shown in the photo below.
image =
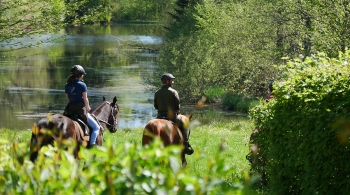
(233, 102)
(301, 142)
(213, 94)
(126, 169)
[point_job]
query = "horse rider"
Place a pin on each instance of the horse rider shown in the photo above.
(78, 102)
(167, 102)
(269, 95)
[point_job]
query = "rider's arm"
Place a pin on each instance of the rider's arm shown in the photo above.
(177, 102)
(155, 102)
(86, 101)
(67, 98)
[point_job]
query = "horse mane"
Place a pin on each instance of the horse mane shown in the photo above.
(99, 108)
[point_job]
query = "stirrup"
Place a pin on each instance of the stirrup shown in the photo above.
(86, 132)
(188, 149)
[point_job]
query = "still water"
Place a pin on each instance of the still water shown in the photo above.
(32, 80)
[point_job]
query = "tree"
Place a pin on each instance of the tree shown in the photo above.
(308, 27)
(235, 45)
(88, 11)
(216, 44)
(331, 22)
(20, 18)
(142, 10)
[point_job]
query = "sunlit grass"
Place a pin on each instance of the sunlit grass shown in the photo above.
(224, 137)
(15, 135)
(228, 140)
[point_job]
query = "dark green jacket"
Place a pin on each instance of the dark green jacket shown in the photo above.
(167, 102)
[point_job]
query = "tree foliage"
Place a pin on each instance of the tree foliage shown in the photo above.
(89, 11)
(210, 49)
(301, 142)
(141, 10)
(19, 18)
(237, 45)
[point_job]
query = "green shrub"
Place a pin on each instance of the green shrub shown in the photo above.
(213, 93)
(123, 169)
(301, 142)
(238, 103)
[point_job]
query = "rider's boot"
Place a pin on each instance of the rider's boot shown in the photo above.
(90, 146)
(188, 148)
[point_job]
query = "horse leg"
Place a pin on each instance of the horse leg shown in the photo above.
(38, 141)
(77, 149)
(34, 148)
(99, 139)
(147, 136)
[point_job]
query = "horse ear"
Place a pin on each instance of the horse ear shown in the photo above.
(190, 117)
(104, 99)
(114, 99)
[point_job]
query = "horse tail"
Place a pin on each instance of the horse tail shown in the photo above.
(148, 134)
(34, 145)
(38, 138)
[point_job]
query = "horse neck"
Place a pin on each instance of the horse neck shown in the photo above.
(102, 112)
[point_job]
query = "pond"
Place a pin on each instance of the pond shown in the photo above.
(32, 80)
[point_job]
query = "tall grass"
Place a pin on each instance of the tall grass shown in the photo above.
(229, 100)
(238, 103)
(217, 137)
(225, 137)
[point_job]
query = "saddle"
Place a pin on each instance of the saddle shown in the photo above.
(86, 128)
(166, 118)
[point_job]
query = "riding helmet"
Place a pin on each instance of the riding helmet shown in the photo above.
(167, 76)
(77, 70)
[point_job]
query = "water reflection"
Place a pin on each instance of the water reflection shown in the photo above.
(32, 80)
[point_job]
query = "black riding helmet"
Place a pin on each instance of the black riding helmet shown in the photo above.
(77, 70)
(167, 76)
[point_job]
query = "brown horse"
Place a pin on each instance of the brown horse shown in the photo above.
(57, 127)
(167, 131)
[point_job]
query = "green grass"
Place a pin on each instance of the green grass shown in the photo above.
(217, 136)
(15, 135)
(229, 140)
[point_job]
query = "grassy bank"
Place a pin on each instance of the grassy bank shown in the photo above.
(227, 138)
(215, 138)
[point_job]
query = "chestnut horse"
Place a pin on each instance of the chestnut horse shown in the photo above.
(56, 127)
(167, 131)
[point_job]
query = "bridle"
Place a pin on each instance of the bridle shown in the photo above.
(111, 115)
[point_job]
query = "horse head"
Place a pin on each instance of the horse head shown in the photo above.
(185, 121)
(108, 114)
(114, 116)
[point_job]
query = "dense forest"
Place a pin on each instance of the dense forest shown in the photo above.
(213, 47)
